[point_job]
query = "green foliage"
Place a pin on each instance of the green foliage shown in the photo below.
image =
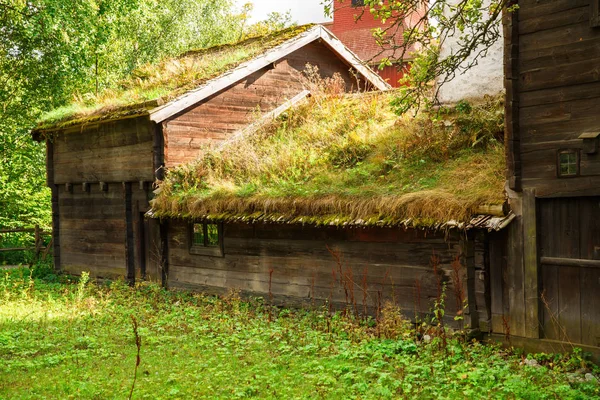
(56, 52)
(74, 339)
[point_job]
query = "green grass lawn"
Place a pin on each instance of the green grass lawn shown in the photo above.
(60, 338)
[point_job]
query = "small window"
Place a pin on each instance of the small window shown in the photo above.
(568, 163)
(206, 239)
(358, 3)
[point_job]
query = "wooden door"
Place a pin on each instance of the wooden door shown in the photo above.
(569, 232)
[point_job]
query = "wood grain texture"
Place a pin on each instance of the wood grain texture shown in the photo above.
(115, 151)
(220, 116)
(570, 269)
(305, 269)
(558, 92)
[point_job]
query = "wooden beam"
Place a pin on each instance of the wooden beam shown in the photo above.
(54, 201)
(268, 117)
(129, 241)
(510, 22)
(164, 252)
(17, 230)
(467, 244)
(346, 54)
(530, 264)
(515, 279)
(158, 153)
(570, 262)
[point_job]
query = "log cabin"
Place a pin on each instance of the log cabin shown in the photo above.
(342, 202)
(550, 298)
(103, 158)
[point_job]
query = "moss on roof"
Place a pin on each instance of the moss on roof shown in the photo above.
(155, 84)
(344, 159)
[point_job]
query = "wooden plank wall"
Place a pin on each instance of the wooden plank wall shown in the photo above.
(559, 93)
(393, 263)
(119, 151)
(93, 229)
(570, 230)
(221, 115)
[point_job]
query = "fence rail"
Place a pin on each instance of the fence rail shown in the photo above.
(38, 245)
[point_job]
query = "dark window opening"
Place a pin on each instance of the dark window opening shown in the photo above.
(568, 163)
(358, 3)
(206, 239)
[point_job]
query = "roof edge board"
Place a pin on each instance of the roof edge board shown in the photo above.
(338, 47)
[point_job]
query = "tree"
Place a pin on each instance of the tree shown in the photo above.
(426, 26)
(53, 50)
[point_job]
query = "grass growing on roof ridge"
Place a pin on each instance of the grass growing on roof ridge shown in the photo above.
(170, 78)
(342, 158)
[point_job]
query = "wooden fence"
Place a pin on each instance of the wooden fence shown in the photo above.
(38, 243)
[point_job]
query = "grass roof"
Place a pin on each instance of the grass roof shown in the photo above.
(347, 159)
(155, 84)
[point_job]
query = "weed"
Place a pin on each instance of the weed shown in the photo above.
(138, 345)
(200, 346)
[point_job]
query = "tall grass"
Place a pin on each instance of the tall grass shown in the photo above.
(347, 158)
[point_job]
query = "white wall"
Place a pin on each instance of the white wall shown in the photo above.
(485, 78)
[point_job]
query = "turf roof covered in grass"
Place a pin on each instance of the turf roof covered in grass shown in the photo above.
(348, 159)
(155, 84)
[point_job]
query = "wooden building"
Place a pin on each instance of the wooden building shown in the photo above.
(103, 161)
(298, 237)
(552, 288)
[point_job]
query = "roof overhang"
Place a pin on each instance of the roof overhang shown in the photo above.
(176, 106)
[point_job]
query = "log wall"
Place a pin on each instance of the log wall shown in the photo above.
(552, 65)
(391, 264)
(559, 93)
(119, 151)
(221, 115)
(93, 231)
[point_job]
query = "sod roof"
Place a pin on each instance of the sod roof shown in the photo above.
(348, 160)
(169, 87)
(155, 84)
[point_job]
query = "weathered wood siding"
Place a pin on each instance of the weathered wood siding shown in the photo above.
(218, 117)
(119, 151)
(570, 269)
(391, 263)
(93, 229)
(559, 93)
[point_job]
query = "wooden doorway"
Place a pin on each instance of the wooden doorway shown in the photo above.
(569, 240)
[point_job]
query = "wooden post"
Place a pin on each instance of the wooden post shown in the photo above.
(510, 21)
(164, 252)
(530, 264)
(129, 241)
(487, 280)
(158, 150)
(55, 203)
(468, 252)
